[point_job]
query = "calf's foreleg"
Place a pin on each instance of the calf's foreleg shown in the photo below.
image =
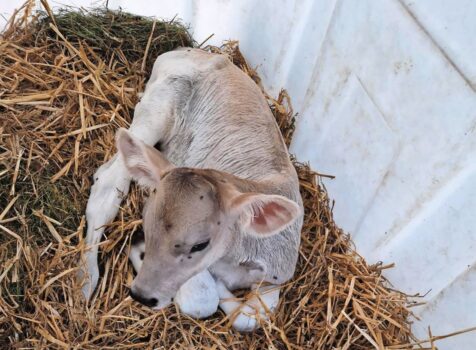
(245, 316)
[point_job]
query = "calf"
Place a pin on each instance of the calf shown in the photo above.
(224, 210)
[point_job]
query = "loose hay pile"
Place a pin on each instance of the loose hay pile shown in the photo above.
(62, 96)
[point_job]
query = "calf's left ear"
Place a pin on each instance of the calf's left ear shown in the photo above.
(145, 164)
(263, 215)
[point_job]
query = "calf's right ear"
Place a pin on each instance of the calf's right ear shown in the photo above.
(145, 164)
(262, 215)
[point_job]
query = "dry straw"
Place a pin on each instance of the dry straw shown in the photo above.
(66, 84)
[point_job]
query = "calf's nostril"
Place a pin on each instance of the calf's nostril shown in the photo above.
(132, 294)
(150, 302)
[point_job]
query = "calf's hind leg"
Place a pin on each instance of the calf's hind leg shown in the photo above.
(111, 183)
(112, 180)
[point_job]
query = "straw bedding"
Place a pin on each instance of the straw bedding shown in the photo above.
(63, 93)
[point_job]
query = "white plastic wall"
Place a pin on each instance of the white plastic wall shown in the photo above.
(385, 92)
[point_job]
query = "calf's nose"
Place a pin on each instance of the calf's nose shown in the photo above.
(150, 302)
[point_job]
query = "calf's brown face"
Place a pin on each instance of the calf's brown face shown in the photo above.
(182, 225)
(190, 218)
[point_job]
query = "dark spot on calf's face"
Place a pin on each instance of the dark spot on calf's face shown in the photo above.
(142, 255)
(190, 257)
(275, 277)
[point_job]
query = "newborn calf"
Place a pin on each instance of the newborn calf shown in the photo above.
(224, 210)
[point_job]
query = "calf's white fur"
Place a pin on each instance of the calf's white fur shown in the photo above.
(224, 210)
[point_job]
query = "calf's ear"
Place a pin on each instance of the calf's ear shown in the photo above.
(145, 164)
(263, 215)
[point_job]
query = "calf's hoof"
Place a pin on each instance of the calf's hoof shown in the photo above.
(244, 323)
(88, 277)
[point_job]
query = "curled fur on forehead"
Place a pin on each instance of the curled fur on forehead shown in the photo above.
(144, 163)
(264, 215)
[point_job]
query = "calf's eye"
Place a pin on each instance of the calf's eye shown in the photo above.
(200, 246)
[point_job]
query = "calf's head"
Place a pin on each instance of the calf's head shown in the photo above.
(190, 218)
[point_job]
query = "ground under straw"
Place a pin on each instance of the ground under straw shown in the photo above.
(62, 96)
